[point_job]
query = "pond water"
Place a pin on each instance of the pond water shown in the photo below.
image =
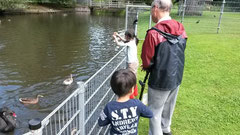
(37, 52)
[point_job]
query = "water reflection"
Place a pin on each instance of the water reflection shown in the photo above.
(37, 52)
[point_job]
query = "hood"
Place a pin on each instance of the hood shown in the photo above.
(172, 26)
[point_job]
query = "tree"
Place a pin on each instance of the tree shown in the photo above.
(8, 4)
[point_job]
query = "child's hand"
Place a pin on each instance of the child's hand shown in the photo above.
(114, 38)
(115, 33)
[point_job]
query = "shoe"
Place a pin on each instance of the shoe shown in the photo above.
(170, 133)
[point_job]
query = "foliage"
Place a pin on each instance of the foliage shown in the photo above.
(209, 97)
(148, 2)
(63, 2)
(8, 4)
(13, 4)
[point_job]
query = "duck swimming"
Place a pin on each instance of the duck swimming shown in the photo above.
(74, 131)
(30, 100)
(68, 81)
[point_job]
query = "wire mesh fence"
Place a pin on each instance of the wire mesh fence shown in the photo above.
(210, 18)
(66, 118)
(138, 16)
(98, 93)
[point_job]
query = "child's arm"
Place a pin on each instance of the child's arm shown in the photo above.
(103, 119)
(117, 35)
(121, 43)
(145, 111)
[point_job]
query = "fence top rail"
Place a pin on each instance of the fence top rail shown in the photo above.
(141, 6)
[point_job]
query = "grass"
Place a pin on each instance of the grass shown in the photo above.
(209, 96)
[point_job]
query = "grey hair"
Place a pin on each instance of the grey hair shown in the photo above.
(164, 5)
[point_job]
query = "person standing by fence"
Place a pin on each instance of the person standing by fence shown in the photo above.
(131, 42)
(163, 56)
(123, 114)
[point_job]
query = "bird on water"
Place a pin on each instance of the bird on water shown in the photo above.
(30, 100)
(68, 81)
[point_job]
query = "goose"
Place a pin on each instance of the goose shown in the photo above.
(68, 81)
(30, 100)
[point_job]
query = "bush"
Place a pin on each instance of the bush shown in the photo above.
(8, 4)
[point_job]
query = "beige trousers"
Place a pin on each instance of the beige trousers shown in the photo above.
(133, 67)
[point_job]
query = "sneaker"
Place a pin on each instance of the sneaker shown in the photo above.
(170, 133)
(145, 99)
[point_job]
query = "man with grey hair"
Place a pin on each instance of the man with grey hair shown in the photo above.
(163, 56)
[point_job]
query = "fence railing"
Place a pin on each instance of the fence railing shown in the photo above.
(112, 4)
(78, 114)
(103, 4)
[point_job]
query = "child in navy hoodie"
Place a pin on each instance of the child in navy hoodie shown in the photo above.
(123, 114)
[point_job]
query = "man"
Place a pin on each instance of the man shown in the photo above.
(164, 59)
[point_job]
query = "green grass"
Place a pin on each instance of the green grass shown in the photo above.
(209, 97)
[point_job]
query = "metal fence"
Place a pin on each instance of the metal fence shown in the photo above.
(79, 113)
(98, 93)
(107, 4)
(202, 16)
(208, 14)
(112, 4)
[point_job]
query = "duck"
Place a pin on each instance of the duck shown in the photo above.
(30, 100)
(65, 14)
(74, 131)
(68, 81)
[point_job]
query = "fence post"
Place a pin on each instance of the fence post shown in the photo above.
(126, 17)
(35, 127)
(135, 25)
(90, 2)
(183, 12)
(150, 21)
(220, 18)
(81, 107)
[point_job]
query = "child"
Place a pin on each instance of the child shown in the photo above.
(131, 42)
(123, 114)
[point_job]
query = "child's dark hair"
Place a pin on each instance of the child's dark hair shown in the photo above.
(131, 34)
(122, 81)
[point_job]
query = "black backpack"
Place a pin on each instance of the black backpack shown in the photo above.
(168, 62)
(8, 120)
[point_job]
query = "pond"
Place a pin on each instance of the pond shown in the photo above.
(38, 52)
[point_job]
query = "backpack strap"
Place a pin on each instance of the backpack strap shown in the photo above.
(171, 38)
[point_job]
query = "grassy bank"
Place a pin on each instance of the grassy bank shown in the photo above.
(209, 97)
(21, 7)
